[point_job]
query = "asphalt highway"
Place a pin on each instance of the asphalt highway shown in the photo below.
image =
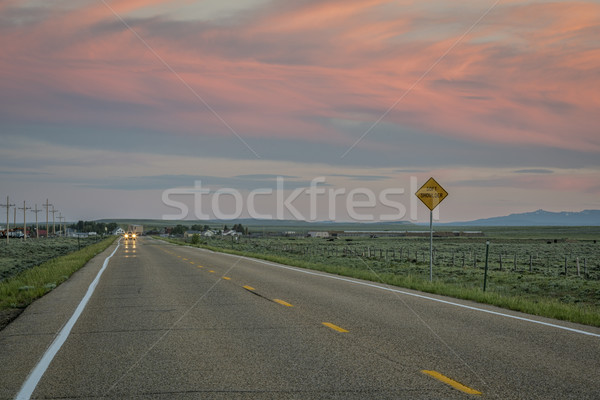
(169, 321)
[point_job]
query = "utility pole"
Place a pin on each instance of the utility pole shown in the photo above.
(53, 224)
(15, 218)
(24, 221)
(62, 228)
(37, 231)
(8, 206)
(47, 205)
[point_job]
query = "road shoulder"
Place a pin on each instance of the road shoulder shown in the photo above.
(25, 339)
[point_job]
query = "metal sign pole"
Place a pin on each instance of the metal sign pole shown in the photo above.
(430, 245)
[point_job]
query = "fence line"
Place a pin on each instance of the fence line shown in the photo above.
(567, 263)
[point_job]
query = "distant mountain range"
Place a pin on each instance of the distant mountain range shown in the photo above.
(539, 218)
(535, 218)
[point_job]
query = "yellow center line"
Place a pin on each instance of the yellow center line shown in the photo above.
(248, 287)
(200, 266)
(451, 382)
(334, 327)
(191, 262)
(283, 303)
(184, 259)
(227, 278)
(211, 271)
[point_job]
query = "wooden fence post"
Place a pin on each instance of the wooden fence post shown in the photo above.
(530, 263)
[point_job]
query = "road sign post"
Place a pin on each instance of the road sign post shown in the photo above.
(430, 245)
(431, 194)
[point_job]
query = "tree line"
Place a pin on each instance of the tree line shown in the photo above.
(93, 226)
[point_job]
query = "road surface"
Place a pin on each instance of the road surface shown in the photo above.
(169, 321)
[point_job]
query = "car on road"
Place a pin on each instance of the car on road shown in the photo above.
(129, 236)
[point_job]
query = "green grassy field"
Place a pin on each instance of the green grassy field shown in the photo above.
(22, 288)
(531, 277)
(19, 255)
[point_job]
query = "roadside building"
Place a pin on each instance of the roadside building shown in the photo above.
(189, 234)
(318, 234)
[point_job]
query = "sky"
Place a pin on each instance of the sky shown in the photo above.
(185, 109)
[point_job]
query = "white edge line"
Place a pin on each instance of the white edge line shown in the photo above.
(373, 285)
(36, 374)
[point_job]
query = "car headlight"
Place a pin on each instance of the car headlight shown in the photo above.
(134, 235)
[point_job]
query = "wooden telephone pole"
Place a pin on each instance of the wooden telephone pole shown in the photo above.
(37, 231)
(53, 221)
(24, 208)
(61, 226)
(8, 206)
(47, 206)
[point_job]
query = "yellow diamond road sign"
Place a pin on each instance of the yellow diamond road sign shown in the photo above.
(431, 194)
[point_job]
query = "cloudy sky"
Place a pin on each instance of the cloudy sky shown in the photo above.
(107, 105)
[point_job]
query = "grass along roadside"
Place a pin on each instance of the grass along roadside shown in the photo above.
(535, 305)
(19, 291)
(21, 255)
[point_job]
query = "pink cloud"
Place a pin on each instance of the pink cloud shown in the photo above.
(289, 68)
(315, 16)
